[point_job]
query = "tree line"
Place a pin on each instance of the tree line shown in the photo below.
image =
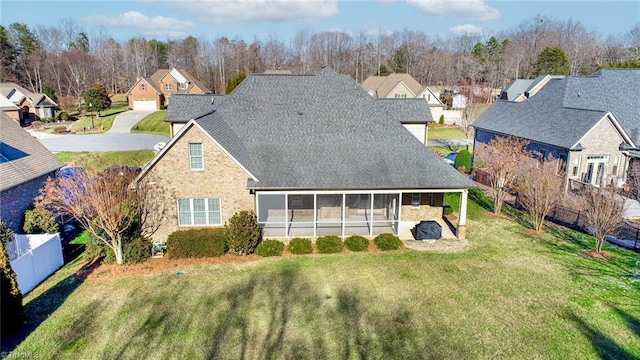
(63, 61)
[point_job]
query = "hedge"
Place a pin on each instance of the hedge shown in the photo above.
(357, 243)
(197, 243)
(386, 242)
(329, 244)
(300, 246)
(269, 248)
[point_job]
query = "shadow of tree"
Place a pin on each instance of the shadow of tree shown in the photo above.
(632, 322)
(606, 347)
(40, 308)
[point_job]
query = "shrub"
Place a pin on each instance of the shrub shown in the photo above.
(197, 243)
(463, 160)
(448, 210)
(441, 120)
(64, 116)
(39, 221)
(329, 244)
(357, 243)
(59, 129)
(163, 107)
(243, 232)
(12, 310)
(270, 248)
(386, 242)
(299, 246)
(95, 247)
(137, 250)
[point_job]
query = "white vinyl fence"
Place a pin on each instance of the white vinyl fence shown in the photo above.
(34, 258)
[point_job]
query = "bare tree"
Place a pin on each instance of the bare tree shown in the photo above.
(105, 206)
(501, 158)
(604, 211)
(540, 187)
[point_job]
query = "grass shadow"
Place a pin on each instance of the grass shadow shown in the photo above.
(45, 304)
(606, 347)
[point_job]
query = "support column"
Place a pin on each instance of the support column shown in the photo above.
(462, 215)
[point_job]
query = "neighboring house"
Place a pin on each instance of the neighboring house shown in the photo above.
(402, 86)
(10, 109)
(522, 89)
(590, 123)
(308, 159)
(413, 114)
(25, 164)
(154, 92)
(185, 107)
(34, 106)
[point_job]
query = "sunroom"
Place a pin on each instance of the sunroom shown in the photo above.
(357, 212)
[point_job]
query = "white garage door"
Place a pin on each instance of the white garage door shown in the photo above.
(144, 105)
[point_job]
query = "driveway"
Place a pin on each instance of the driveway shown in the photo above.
(125, 121)
(101, 142)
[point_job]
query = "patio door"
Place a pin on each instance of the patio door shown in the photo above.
(595, 170)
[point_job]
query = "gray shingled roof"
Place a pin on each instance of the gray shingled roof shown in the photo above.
(322, 132)
(184, 107)
(22, 157)
(614, 90)
(407, 111)
(515, 89)
(541, 118)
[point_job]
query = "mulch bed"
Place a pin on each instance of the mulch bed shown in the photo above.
(596, 255)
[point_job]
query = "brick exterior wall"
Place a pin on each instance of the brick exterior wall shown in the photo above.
(430, 207)
(221, 178)
(15, 201)
(149, 93)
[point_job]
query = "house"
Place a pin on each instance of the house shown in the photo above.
(402, 86)
(34, 106)
(10, 109)
(185, 107)
(154, 92)
(413, 114)
(521, 89)
(590, 123)
(312, 155)
(25, 164)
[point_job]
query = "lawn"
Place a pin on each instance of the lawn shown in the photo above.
(509, 295)
(153, 124)
(95, 162)
(446, 133)
(100, 123)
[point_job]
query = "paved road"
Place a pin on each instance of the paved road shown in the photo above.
(118, 138)
(125, 121)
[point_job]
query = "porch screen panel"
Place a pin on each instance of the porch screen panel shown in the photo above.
(357, 214)
(271, 215)
(385, 213)
(300, 214)
(329, 214)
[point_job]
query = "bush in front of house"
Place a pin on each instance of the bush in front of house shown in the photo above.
(137, 250)
(329, 244)
(12, 309)
(463, 160)
(197, 243)
(387, 241)
(356, 243)
(243, 232)
(300, 246)
(270, 248)
(63, 116)
(441, 120)
(39, 221)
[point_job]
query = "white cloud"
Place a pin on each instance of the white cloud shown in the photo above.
(466, 29)
(226, 12)
(466, 9)
(147, 26)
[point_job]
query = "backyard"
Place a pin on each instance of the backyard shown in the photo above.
(509, 295)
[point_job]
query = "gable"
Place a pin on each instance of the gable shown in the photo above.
(400, 89)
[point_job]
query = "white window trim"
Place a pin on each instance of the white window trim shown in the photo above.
(143, 87)
(168, 86)
(192, 156)
(191, 212)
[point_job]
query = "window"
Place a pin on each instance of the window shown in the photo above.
(401, 96)
(199, 212)
(616, 165)
(196, 160)
(183, 85)
(575, 166)
(415, 200)
(142, 87)
(167, 86)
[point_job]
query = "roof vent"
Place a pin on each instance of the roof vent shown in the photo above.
(300, 113)
(578, 94)
(212, 100)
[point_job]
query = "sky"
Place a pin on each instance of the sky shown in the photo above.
(261, 19)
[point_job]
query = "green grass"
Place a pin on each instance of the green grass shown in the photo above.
(509, 295)
(80, 239)
(95, 162)
(445, 133)
(153, 124)
(100, 123)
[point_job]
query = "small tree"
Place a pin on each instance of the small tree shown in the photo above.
(234, 81)
(97, 98)
(501, 158)
(12, 310)
(540, 188)
(553, 61)
(243, 232)
(39, 221)
(441, 120)
(105, 206)
(463, 161)
(604, 211)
